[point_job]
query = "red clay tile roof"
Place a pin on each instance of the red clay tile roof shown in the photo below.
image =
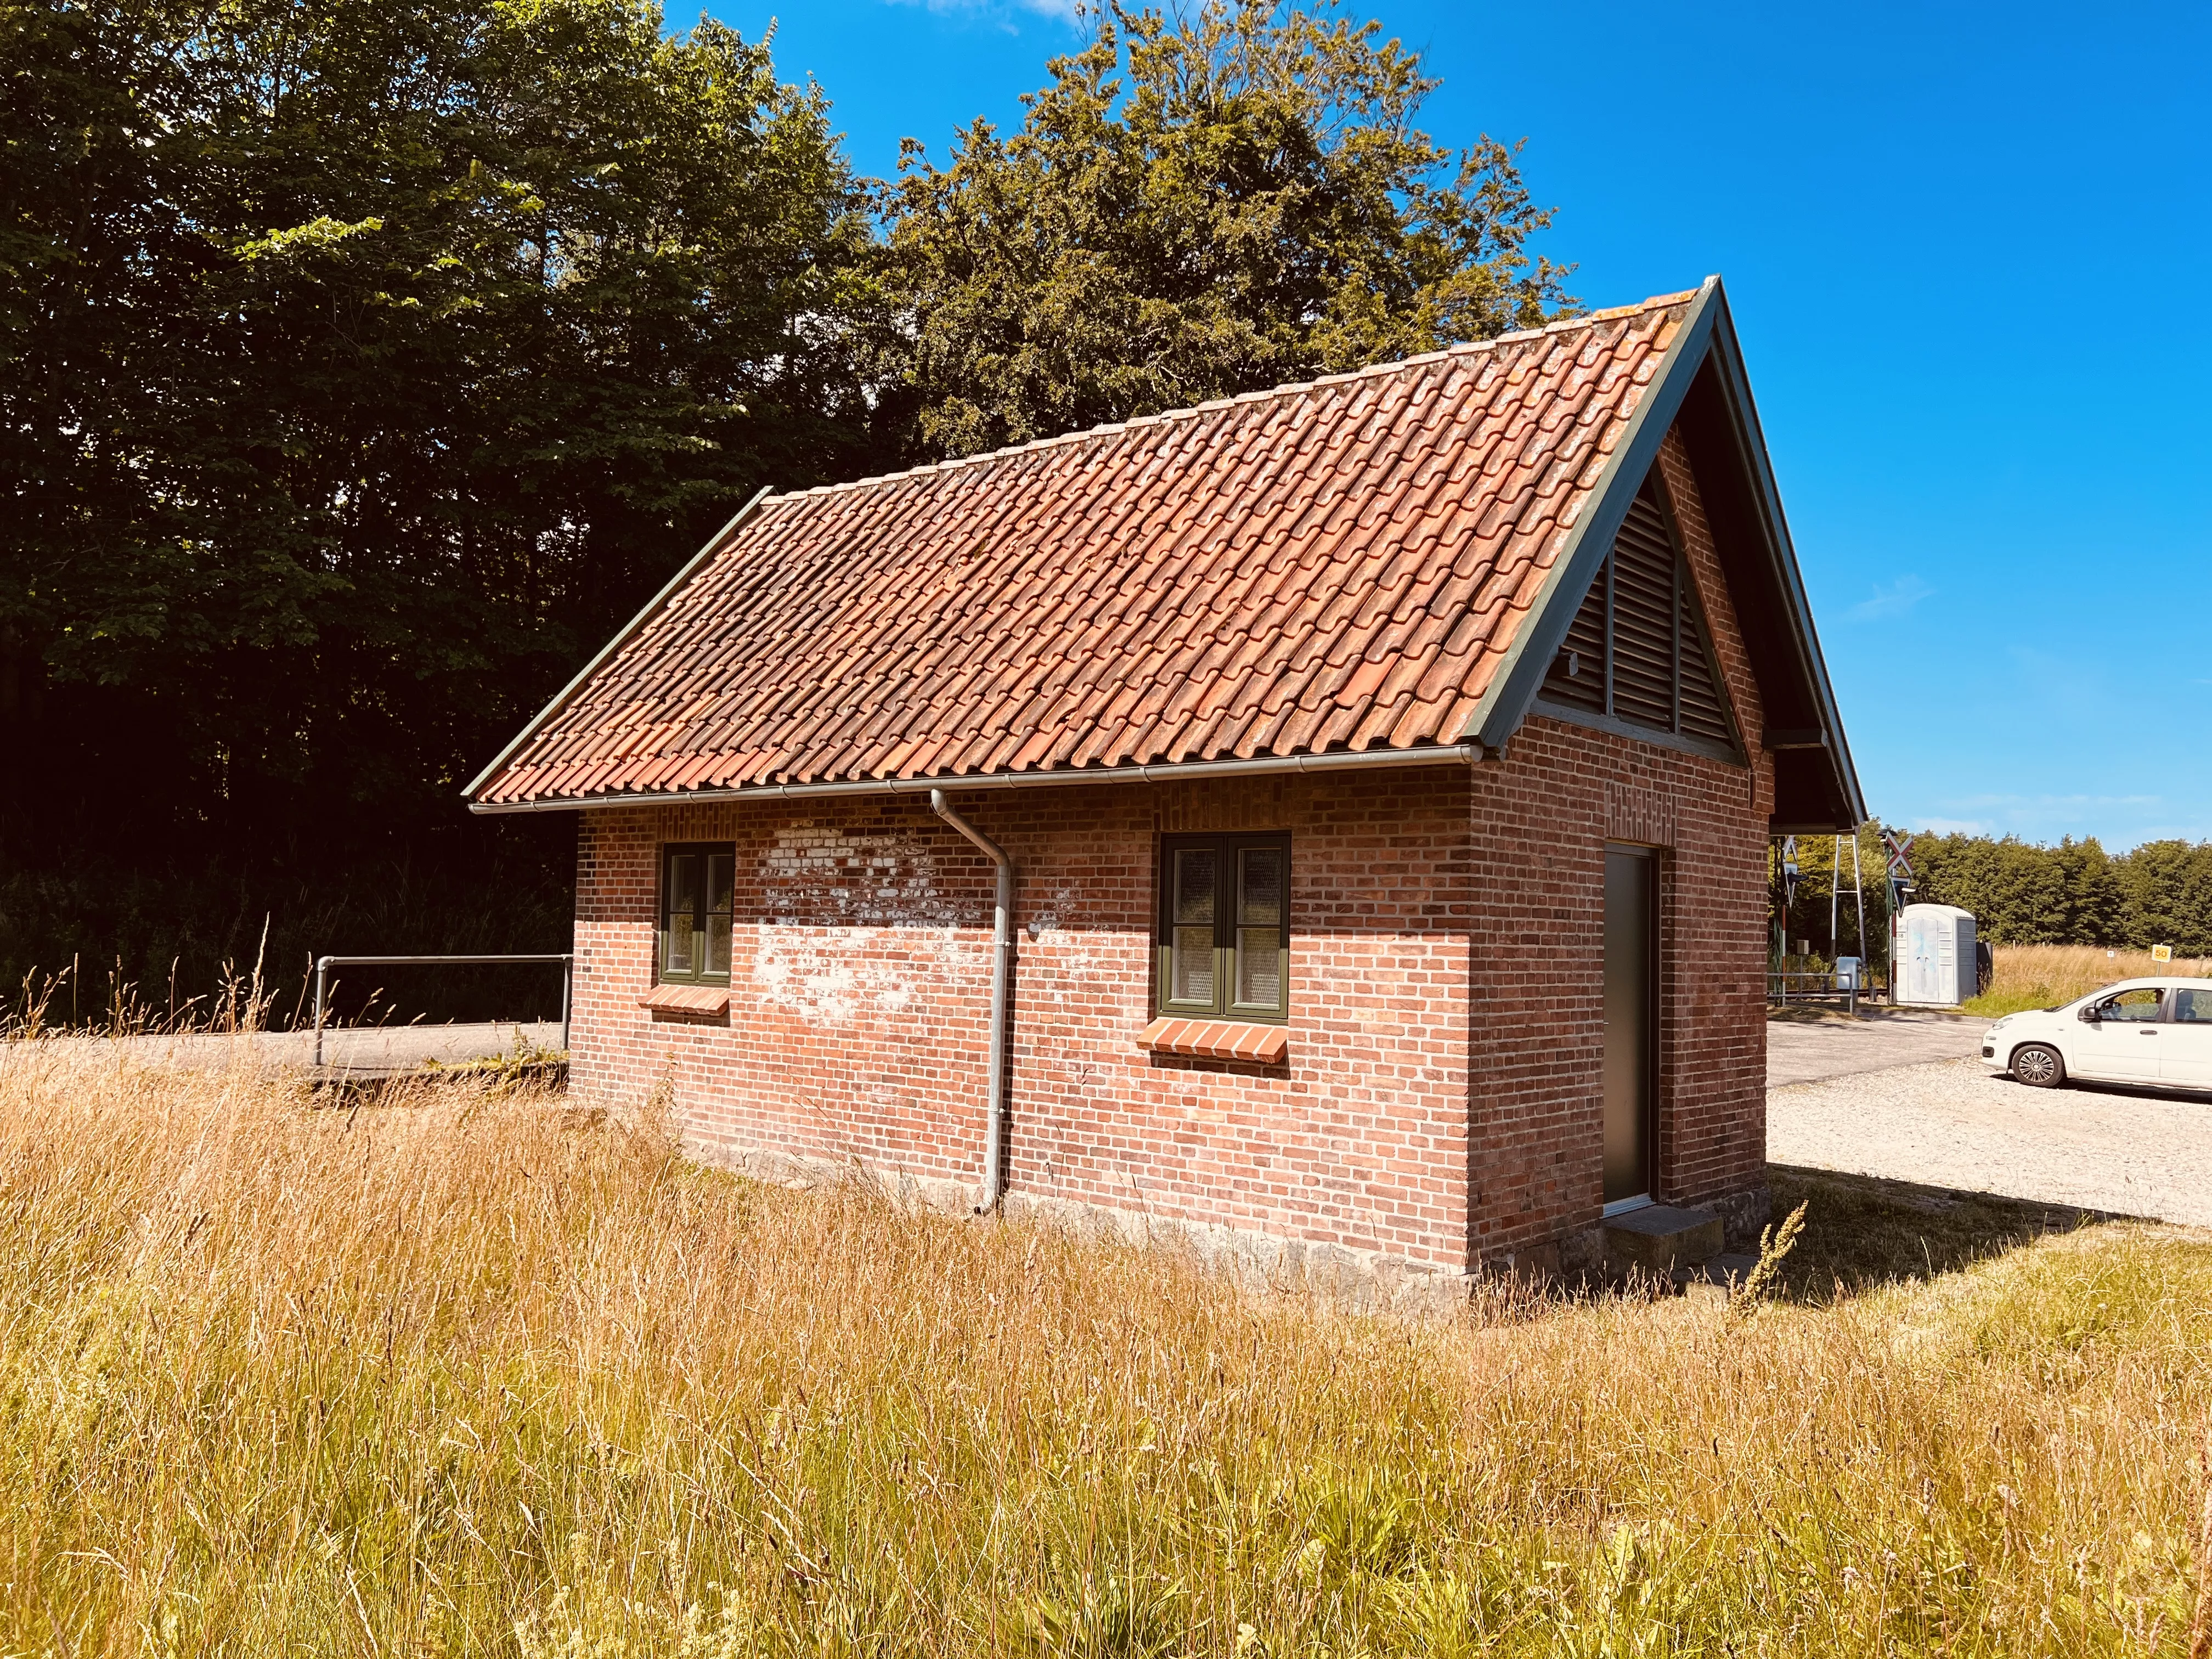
(1341, 565)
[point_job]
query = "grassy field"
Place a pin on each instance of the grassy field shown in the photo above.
(2043, 976)
(471, 1372)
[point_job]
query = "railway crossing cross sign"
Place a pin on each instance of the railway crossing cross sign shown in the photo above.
(1899, 845)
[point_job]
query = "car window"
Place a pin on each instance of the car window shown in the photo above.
(2140, 1005)
(2192, 1007)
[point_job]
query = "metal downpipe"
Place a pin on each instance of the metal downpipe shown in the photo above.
(1002, 962)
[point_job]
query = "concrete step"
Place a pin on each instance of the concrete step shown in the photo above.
(1659, 1238)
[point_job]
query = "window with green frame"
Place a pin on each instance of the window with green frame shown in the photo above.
(1224, 928)
(696, 882)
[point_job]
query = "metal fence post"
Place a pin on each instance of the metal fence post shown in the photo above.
(567, 997)
(322, 968)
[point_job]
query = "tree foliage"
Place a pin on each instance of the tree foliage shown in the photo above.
(2023, 894)
(365, 361)
(1198, 205)
(2073, 893)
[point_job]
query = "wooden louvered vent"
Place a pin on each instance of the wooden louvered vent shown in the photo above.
(1638, 651)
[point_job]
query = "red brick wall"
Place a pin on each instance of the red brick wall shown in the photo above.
(859, 1001)
(1442, 1099)
(1539, 820)
(1540, 815)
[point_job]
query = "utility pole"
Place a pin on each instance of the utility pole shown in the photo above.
(1858, 893)
(1835, 894)
(1789, 895)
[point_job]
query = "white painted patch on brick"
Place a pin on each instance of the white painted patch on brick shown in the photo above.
(892, 937)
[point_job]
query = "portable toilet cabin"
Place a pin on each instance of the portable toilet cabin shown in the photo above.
(1932, 956)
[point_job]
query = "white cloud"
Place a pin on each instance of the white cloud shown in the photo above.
(1891, 599)
(2059, 803)
(2119, 821)
(1000, 12)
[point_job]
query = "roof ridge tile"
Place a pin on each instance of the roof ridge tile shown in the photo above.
(1289, 388)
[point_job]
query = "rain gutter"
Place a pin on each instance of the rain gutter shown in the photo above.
(1464, 754)
(1002, 958)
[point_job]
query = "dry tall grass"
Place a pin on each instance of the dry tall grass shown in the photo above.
(2045, 975)
(471, 1373)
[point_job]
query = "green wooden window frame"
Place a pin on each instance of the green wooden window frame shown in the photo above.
(1224, 946)
(698, 884)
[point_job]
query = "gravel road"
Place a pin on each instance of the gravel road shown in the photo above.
(1949, 1123)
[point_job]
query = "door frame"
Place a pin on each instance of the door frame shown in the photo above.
(1654, 1003)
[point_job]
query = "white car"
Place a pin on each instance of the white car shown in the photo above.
(2153, 1033)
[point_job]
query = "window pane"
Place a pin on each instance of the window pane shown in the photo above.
(1260, 967)
(1190, 974)
(2192, 1007)
(683, 883)
(683, 912)
(2139, 1006)
(1260, 887)
(1196, 876)
(720, 873)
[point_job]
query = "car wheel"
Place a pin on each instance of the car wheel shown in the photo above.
(2037, 1066)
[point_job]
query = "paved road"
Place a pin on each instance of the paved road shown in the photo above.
(1804, 1051)
(370, 1049)
(1949, 1123)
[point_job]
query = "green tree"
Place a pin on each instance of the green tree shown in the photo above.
(1198, 205)
(365, 363)
(2167, 888)
(2023, 894)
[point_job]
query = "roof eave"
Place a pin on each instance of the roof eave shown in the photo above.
(1339, 759)
(1736, 386)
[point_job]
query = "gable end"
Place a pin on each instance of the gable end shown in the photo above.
(1704, 392)
(1637, 658)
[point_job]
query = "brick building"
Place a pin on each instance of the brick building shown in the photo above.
(1331, 822)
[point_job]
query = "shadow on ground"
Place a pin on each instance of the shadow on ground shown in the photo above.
(1862, 1231)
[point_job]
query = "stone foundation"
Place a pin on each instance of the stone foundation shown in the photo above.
(1743, 1213)
(1361, 1281)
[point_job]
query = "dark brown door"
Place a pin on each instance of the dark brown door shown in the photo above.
(1631, 985)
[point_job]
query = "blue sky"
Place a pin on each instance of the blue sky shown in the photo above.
(1969, 250)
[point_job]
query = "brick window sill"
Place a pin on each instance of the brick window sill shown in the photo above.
(691, 1001)
(1217, 1039)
